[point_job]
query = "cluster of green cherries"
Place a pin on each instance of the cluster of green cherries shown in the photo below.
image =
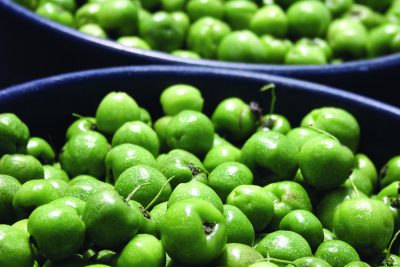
(294, 32)
(239, 188)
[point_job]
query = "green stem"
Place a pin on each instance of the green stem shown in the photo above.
(275, 260)
(82, 117)
(270, 87)
(391, 244)
(158, 194)
(270, 259)
(130, 196)
(323, 132)
(354, 187)
(76, 115)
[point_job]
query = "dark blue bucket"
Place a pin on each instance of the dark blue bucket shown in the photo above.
(47, 105)
(33, 47)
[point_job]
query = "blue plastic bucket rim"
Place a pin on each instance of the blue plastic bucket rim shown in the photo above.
(365, 65)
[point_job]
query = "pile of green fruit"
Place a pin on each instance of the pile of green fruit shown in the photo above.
(239, 188)
(254, 31)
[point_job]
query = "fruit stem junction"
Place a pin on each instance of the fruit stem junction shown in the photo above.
(208, 227)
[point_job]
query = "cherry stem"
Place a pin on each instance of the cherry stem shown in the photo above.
(323, 132)
(391, 244)
(270, 87)
(270, 259)
(130, 196)
(76, 115)
(158, 194)
(354, 187)
(275, 260)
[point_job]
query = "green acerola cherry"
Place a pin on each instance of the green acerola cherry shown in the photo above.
(68, 5)
(133, 42)
(192, 131)
(14, 134)
(110, 221)
(205, 35)
(308, 19)
(219, 155)
(310, 262)
(276, 49)
(328, 235)
(115, 109)
(200, 225)
(173, 5)
(22, 167)
(93, 30)
(305, 224)
(152, 182)
(160, 127)
(366, 224)
(357, 264)
(84, 124)
(182, 19)
(318, 43)
(330, 202)
(271, 20)
(233, 119)
(179, 97)
(73, 202)
(238, 13)
(337, 253)
(390, 172)
(40, 149)
(58, 230)
(84, 186)
(365, 15)
(271, 156)
(119, 17)
(227, 176)
(284, 245)
(325, 163)
(9, 186)
(137, 133)
(195, 189)
(183, 167)
(286, 196)
(51, 172)
(305, 54)
(237, 255)
(85, 154)
(15, 248)
(56, 13)
(124, 156)
(162, 32)
(33, 194)
(337, 122)
(239, 228)
(254, 202)
(361, 181)
(275, 122)
(204, 8)
(380, 39)
(87, 14)
(185, 54)
(365, 165)
(142, 250)
(348, 38)
(299, 136)
(241, 46)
